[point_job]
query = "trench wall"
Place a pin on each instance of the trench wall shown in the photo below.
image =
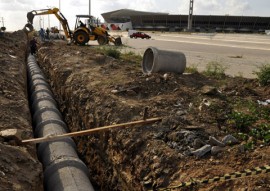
(19, 166)
(127, 159)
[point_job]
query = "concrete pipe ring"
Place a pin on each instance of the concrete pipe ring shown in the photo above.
(155, 60)
(28, 28)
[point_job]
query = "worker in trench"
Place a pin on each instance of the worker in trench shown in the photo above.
(33, 46)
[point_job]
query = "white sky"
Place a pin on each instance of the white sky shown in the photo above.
(14, 11)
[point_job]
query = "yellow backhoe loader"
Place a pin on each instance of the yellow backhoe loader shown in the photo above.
(81, 34)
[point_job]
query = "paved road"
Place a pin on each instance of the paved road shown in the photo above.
(241, 54)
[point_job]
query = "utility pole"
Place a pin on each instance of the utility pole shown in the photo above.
(190, 16)
(40, 19)
(60, 11)
(89, 7)
(49, 24)
(2, 18)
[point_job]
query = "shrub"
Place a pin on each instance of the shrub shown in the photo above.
(192, 69)
(215, 69)
(112, 52)
(132, 57)
(262, 132)
(264, 75)
(241, 120)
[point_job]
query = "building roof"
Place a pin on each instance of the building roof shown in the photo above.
(125, 14)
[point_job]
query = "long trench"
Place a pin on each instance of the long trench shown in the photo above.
(63, 170)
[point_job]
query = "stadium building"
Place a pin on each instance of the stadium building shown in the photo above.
(125, 19)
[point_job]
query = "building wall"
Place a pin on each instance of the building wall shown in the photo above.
(165, 22)
(201, 23)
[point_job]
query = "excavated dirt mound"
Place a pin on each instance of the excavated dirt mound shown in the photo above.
(95, 90)
(19, 167)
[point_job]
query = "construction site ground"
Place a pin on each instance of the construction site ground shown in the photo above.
(94, 90)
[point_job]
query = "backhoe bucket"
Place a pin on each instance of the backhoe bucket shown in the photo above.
(118, 41)
(30, 17)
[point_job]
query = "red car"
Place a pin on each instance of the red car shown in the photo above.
(140, 35)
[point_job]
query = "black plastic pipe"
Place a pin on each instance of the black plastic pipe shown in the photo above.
(63, 170)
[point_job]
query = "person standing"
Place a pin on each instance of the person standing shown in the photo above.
(48, 33)
(33, 46)
(42, 34)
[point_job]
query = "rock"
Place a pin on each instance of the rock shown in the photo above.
(214, 142)
(174, 136)
(202, 151)
(209, 90)
(241, 149)
(131, 92)
(180, 113)
(165, 76)
(187, 153)
(158, 80)
(148, 181)
(114, 91)
(229, 140)
(12, 134)
(2, 174)
(216, 149)
(198, 143)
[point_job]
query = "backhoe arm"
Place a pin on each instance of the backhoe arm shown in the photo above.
(59, 16)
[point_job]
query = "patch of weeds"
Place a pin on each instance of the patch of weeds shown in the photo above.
(239, 74)
(113, 52)
(262, 132)
(249, 145)
(109, 51)
(263, 74)
(131, 57)
(253, 122)
(192, 69)
(256, 110)
(242, 121)
(215, 69)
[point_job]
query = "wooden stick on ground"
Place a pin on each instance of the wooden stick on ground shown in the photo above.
(89, 131)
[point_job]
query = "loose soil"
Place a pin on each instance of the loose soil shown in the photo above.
(95, 90)
(19, 167)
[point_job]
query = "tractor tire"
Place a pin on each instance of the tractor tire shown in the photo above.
(81, 37)
(102, 40)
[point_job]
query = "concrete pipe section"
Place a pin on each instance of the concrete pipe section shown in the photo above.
(63, 170)
(155, 60)
(28, 28)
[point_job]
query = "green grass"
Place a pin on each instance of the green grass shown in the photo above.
(131, 57)
(215, 69)
(242, 121)
(109, 51)
(263, 75)
(252, 122)
(192, 69)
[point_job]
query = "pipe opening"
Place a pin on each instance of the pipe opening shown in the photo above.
(148, 61)
(28, 28)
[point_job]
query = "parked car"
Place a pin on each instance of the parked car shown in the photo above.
(140, 35)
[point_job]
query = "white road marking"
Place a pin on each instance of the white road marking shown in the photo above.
(212, 44)
(213, 38)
